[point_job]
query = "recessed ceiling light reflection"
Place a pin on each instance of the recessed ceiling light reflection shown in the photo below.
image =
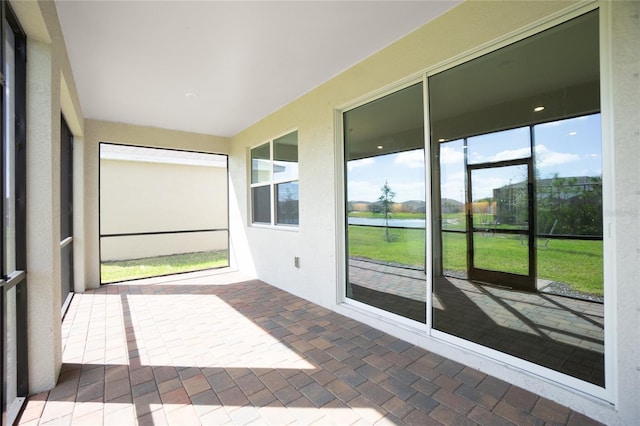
(573, 133)
(538, 108)
(380, 146)
(442, 140)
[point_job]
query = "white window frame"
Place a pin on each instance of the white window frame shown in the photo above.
(272, 183)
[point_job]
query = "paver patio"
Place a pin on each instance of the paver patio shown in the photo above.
(219, 348)
(561, 333)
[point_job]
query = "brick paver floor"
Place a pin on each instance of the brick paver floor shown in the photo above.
(221, 349)
(561, 333)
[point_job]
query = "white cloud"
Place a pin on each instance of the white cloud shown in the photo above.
(484, 188)
(354, 164)
(547, 158)
(363, 191)
(552, 124)
(449, 155)
(411, 159)
(512, 153)
(408, 191)
(544, 156)
(453, 187)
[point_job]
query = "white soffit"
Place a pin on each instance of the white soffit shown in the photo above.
(216, 67)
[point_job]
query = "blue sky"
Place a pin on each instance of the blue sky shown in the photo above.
(569, 147)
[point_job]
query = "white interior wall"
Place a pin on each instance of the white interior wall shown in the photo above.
(469, 27)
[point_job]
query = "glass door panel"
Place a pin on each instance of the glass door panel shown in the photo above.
(385, 204)
(500, 219)
(499, 197)
(549, 139)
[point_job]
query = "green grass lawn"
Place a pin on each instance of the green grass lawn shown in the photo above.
(574, 262)
(406, 245)
(123, 270)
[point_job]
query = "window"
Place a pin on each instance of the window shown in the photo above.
(274, 182)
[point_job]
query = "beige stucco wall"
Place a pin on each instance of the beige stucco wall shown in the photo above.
(137, 197)
(50, 92)
(622, 205)
(468, 28)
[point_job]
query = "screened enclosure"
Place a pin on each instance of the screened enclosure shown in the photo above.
(161, 212)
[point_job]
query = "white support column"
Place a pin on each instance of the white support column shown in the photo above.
(43, 217)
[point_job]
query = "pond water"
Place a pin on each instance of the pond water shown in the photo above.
(393, 223)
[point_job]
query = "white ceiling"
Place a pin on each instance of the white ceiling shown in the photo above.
(216, 67)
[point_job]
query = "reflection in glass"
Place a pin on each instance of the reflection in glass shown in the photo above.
(500, 146)
(385, 192)
(9, 154)
(260, 164)
(500, 199)
(529, 280)
(285, 157)
(451, 204)
(287, 203)
(261, 204)
(569, 203)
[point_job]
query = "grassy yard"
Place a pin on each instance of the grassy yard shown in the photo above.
(574, 262)
(406, 245)
(161, 265)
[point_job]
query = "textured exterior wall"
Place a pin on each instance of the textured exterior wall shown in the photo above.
(140, 197)
(472, 27)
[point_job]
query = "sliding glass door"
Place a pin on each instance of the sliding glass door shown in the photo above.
(517, 200)
(385, 193)
(515, 203)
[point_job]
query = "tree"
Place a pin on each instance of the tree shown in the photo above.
(386, 199)
(575, 203)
